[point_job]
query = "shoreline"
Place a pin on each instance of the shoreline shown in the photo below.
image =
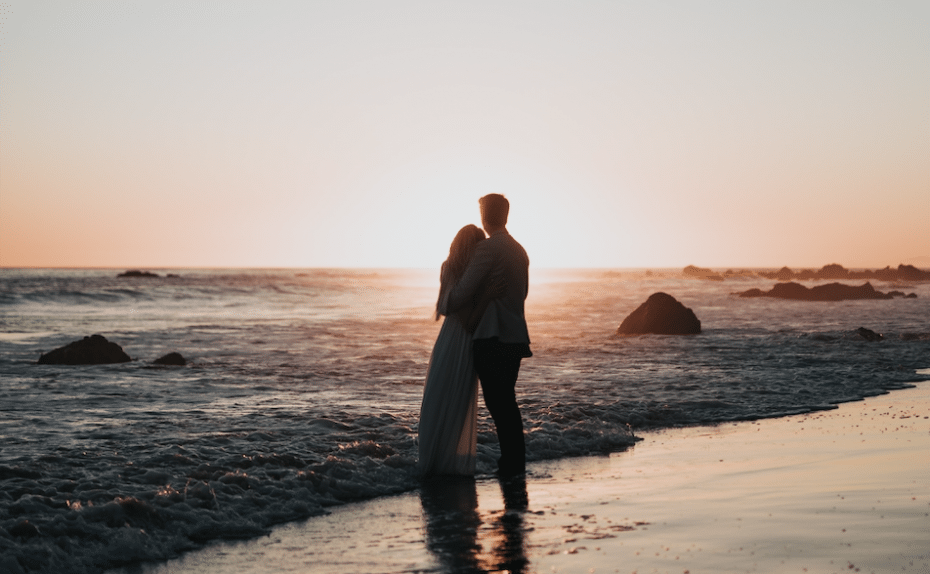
(841, 490)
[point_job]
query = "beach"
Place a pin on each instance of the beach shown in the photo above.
(844, 490)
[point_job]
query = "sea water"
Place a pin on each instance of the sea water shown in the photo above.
(303, 389)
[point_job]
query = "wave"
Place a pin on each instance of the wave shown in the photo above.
(74, 297)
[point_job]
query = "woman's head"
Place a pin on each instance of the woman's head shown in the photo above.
(462, 247)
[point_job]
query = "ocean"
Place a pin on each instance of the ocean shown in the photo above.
(302, 390)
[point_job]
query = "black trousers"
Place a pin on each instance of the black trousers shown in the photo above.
(498, 365)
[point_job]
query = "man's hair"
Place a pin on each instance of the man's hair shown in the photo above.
(494, 209)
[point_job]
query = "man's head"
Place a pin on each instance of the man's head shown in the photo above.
(494, 210)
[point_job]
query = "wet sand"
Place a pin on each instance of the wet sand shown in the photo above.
(846, 490)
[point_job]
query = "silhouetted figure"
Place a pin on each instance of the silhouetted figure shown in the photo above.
(447, 439)
(501, 339)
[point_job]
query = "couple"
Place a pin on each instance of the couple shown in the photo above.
(483, 285)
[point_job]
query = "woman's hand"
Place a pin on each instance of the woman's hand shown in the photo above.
(496, 289)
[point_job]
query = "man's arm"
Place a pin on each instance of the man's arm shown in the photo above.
(479, 268)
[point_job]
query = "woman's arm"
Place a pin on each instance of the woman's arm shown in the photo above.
(470, 316)
(468, 288)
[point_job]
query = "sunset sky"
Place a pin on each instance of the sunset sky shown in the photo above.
(153, 133)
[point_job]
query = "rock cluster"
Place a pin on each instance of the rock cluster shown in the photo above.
(96, 350)
(831, 271)
(828, 292)
(836, 271)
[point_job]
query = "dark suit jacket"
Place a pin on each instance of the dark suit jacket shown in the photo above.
(498, 256)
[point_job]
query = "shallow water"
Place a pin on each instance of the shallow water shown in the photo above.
(303, 390)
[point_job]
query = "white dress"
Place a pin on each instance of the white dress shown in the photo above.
(448, 415)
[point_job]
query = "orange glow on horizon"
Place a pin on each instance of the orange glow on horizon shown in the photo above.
(625, 136)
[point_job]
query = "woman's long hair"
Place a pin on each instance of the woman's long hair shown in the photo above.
(459, 255)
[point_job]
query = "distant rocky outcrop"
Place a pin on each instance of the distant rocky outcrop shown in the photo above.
(739, 273)
(828, 292)
(93, 350)
(837, 271)
(171, 359)
(661, 314)
(701, 273)
(137, 273)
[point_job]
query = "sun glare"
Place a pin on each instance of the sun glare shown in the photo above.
(436, 203)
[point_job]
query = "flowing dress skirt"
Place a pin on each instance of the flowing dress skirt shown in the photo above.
(448, 414)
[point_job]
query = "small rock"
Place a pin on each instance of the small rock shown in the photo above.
(869, 335)
(24, 529)
(171, 359)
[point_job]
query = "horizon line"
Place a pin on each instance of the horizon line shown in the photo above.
(915, 261)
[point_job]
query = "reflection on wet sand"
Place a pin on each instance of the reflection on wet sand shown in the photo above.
(457, 535)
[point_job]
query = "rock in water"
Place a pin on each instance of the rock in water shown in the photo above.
(93, 350)
(828, 292)
(24, 529)
(661, 314)
(869, 334)
(171, 359)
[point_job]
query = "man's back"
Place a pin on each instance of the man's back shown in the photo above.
(500, 256)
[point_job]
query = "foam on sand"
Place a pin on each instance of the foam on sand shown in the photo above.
(844, 490)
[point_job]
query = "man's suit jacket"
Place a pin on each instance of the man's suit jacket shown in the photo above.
(499, 256)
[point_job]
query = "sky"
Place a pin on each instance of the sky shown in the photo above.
(725, 134)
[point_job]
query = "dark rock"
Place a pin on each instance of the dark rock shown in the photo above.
(837, 271)
(171, 359)
(701, 273)
(24, 529)
(911, 273)
(784, 274)
(790, 290)
(731, 273)
(886, 274)
(902, 294)
(93, 350)
(833, 271)
(137, 273)
(869, 335)
(661, 314)
(828, 292)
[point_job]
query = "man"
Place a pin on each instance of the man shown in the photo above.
(500, 340)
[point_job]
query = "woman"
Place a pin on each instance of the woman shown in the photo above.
(448, 419)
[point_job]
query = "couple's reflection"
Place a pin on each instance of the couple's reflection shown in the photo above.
(455, 531)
